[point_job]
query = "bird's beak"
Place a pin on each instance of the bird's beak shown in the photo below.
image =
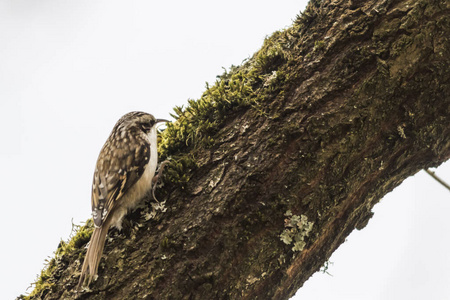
(162, 120)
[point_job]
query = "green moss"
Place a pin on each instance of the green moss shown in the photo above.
(178, 171)
(47, 278)
(165, 243)
(310, 13)
(237, 89)
(43, 284)
(319, 45)
(197, 123)
(272, 53)
(82, 236)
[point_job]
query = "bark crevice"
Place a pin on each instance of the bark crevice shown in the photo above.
(345, 105)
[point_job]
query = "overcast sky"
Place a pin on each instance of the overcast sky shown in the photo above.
(70, 69)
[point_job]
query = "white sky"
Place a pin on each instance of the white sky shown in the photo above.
(70, 69)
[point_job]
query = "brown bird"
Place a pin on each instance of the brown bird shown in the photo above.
(123, 176)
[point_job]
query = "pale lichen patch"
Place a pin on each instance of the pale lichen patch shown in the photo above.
(297, 229)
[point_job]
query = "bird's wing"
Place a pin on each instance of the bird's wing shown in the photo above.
(118, 168)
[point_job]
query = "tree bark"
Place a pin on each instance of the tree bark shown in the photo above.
(346, 104)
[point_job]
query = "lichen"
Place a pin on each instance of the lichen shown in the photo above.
(296, 231)
(197, 123)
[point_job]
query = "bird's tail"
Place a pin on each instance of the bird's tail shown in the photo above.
(93, 255)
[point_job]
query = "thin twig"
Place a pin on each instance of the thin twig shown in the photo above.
(431, 173)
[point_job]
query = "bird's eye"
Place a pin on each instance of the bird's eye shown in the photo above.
(145, 126)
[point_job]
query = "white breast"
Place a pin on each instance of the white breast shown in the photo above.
(144, 184)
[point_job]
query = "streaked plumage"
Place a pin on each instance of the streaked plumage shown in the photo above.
(123, 175)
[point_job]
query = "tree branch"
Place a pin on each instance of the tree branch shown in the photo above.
(432, 174)
(283, 158)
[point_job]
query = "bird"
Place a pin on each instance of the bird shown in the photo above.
(123, 175)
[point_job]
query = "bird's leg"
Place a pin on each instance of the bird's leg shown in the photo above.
(126, 228)
(156, 178)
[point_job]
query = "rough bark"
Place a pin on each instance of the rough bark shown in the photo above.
(356, 101)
